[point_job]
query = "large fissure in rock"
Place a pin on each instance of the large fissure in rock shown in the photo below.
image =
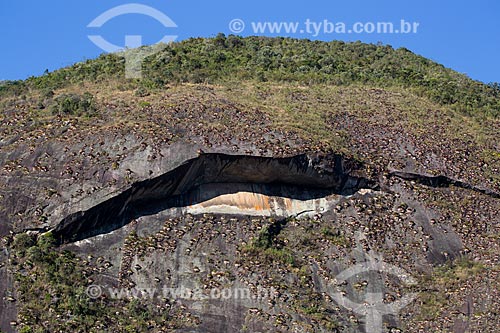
(441, 181)
(237, 184)
(226, 184)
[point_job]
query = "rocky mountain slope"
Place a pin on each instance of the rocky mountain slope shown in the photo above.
(237, 186)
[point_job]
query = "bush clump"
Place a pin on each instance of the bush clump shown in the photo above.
(74, 105)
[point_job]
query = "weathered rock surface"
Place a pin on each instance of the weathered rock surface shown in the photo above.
(260, 208)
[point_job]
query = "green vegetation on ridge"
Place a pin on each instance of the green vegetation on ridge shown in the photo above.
(222, 58)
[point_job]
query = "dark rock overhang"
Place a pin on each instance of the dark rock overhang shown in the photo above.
(301, 176)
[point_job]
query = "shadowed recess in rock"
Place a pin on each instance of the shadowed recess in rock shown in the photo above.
(213, 177)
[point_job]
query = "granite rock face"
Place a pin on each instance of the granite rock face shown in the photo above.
(175, 212)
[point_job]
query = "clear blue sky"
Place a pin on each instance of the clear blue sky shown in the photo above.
(39, 35)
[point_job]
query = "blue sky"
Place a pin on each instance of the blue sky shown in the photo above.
(39, 35)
